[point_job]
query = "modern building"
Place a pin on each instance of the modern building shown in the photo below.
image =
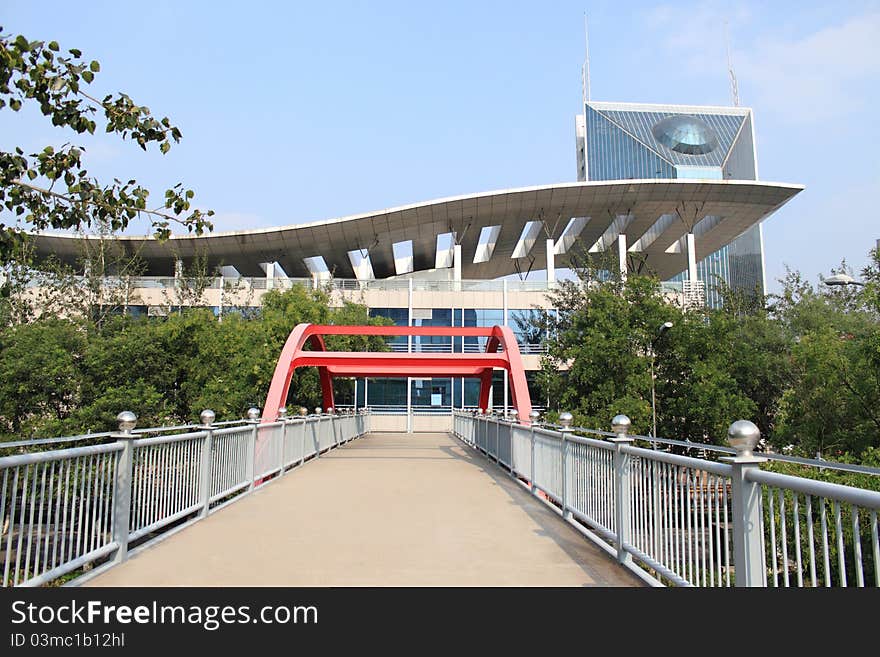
(674, 188)
(623, 141)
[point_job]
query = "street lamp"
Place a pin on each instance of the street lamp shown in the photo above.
(665, 326)
(842, 279)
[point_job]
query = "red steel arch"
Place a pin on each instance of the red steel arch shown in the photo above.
(395, 364)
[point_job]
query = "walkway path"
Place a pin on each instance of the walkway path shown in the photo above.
(385, 510)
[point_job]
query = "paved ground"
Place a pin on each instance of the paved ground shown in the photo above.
(385, 510)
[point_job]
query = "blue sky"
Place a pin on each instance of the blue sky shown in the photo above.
(296, 112)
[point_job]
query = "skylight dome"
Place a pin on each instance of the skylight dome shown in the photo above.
(685, 134)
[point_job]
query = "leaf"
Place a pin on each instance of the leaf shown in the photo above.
(94, 66)
(88, 76)
(165, 147)
(53, 45)
(76, 52)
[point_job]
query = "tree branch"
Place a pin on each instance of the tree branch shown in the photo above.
(68, 199)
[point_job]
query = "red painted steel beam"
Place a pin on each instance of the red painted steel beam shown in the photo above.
(394, 364)
(383, 359)
(457, 331)
(391, 372)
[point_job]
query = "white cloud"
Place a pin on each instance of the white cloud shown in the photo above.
(820, 75)
(805, 78)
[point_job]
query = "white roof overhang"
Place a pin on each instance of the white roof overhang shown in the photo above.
(738, 205)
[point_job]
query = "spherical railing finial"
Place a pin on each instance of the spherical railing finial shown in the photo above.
(565, 419)
(534, 416)
(282, 413)
(127, 421)
(620, 424)
(207, 417)
(743, 436)
(318, 410)
(303, 410)
(480, 411)
(253, 413)
(514, 415)
(330, 410)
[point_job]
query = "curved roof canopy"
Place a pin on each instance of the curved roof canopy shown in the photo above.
(501, 232)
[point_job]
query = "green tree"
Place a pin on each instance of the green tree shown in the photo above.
(698, 394)
(41, 378)
(831, 403)
(598, 358)
(67, 376)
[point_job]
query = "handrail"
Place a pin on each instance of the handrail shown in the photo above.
(684, 521)
(32, 458)
(729, 451)
(858, 496)
(75, 506)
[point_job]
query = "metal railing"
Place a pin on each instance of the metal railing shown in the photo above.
(709, 452)
(65, 509)
(343, 284)
(677, 520)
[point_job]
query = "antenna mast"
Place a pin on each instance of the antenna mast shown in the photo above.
(586, 67)
(734, 91)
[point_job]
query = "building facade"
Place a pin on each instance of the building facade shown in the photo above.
(621, 141)
(674, 188)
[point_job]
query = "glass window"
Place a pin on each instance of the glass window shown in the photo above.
(432, 317)
(526, 324)
(400, 317)
(704, 173)
(477, 317)
(432, 393)
(137, 311)
(386, 392)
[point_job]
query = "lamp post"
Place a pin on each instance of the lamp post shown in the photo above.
(665, 326)
(841, 280)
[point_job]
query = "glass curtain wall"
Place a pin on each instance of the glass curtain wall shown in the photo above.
(432, 395)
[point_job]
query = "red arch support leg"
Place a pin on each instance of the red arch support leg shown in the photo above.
(326, 387)
(280, 385)
(485, 388)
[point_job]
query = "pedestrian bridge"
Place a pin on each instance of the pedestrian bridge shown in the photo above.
(321, 500)
(385, 510)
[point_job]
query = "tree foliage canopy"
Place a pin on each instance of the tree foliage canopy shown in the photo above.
(52, 188)
(804, 365)
(66, 376)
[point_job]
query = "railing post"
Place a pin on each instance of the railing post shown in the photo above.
(514, 417)
(253, 416)
(748, 539)
(317, 433)
(207, 418)
(333, 427)
(620, 425)
(282, 417)
(122, 484)
(534, 415)
(565, 419)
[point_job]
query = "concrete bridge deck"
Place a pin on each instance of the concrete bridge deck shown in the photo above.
(384, 510)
